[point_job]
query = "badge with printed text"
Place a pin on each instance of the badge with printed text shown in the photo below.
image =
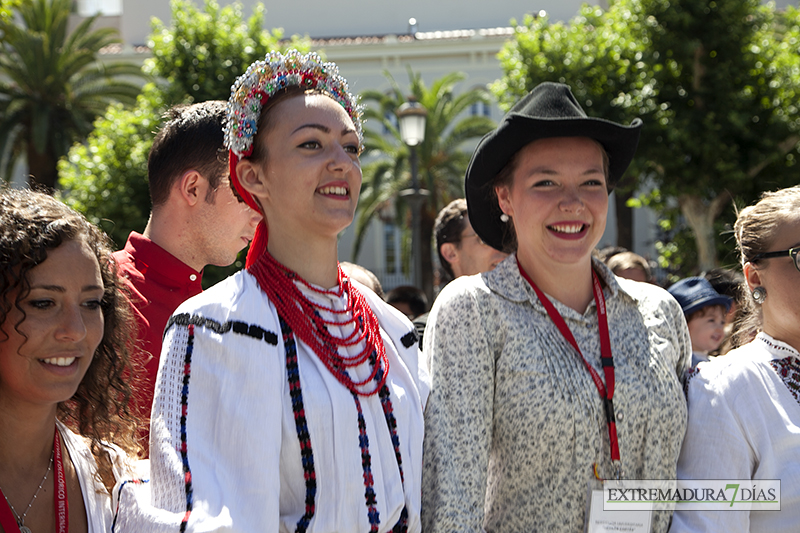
(600, 520)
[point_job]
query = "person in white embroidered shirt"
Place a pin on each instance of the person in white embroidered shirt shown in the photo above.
(744, 408)
(65, 330)
(289, 397)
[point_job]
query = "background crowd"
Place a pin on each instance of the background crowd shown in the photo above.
(293, 396)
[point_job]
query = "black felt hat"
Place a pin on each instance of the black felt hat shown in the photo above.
(549, 110)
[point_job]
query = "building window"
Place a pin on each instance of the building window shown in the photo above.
(481, 108)
(88, 8)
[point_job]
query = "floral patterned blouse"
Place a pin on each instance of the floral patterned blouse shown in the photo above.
(515, 423)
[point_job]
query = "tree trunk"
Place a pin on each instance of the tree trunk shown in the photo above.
(700, 218)
(624, 219)
(42, 169)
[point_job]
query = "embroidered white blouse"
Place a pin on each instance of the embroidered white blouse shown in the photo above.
(744, 423)
(236, 445)
(514, 422)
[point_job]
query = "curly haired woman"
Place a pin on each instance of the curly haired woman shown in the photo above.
(64, 327)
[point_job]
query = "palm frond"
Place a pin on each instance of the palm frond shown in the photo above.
(442, 161)
(55, 86)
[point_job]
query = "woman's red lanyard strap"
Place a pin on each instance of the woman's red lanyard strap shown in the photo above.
(60, 488)
(9, 522)
(606, 357)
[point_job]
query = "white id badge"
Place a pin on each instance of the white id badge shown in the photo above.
(599, 520)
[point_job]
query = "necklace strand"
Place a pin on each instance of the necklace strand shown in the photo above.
(21, 519)
(304, 318)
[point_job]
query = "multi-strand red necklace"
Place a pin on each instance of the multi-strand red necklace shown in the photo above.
(304, 317)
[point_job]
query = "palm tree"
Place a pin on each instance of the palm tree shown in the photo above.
(53, 87)
(442, 160)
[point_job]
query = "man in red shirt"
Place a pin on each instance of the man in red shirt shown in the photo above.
(195, 221)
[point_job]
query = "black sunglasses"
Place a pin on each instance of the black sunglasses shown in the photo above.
(791, 252)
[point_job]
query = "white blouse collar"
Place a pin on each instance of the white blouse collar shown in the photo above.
(775, 347)
(506, 280)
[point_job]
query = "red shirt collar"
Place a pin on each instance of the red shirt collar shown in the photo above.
(157, 263)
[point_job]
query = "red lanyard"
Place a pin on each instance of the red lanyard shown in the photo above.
(606, 357)
(9, 522)
(60, 489)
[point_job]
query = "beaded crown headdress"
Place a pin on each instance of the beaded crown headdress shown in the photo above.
(265, 78)
(251, 91)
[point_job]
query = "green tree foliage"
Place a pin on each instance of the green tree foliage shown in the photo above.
(715, 83)
(106, 177)
(6, 9)
(196, 59)
(723, 100)
(53, 85)
(203, 51)
(442, 159)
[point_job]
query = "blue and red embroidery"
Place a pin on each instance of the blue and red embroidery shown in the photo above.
(366, 465)
(119, 498)
(789, 372)
(691, 372)
(370, 497)
(301, 425)
(187, 472)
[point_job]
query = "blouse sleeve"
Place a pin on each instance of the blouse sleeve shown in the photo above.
(458, 417)
(213, 468)
(684, 342)
(715, 447)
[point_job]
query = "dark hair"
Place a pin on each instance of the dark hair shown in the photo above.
(754, 229)
(364, 276)
(31, 224)
(450, 222)
(703, 311)
(414, 297)
(506, 176)
(606, 253)
(191, 138)
(726, 281)
(625, 260)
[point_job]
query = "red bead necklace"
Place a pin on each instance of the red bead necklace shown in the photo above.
(303, 317)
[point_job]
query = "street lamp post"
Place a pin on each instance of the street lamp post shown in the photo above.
(411, 118)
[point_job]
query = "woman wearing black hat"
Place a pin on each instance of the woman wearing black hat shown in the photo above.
(549, 373)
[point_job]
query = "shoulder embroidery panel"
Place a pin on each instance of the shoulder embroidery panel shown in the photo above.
(789, 372)
(242, 328)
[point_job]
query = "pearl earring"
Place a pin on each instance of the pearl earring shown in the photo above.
(504, 218)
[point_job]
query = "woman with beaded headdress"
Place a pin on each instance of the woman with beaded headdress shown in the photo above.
(289, 398)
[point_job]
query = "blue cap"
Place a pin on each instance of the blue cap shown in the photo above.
(695, 293)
